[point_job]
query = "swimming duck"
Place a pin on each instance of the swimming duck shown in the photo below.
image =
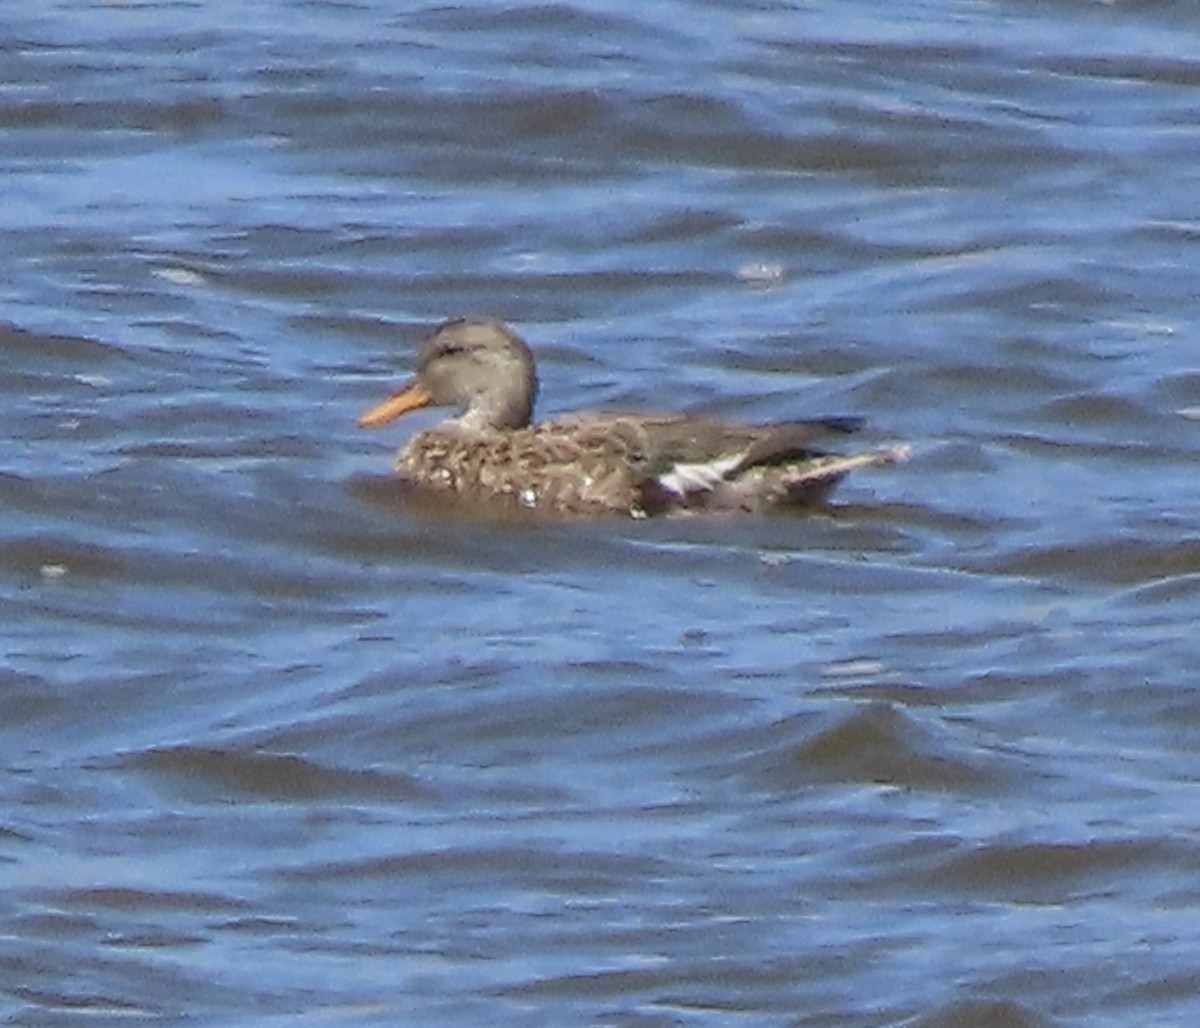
(635, 465)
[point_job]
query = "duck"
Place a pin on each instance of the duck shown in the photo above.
(635, 465)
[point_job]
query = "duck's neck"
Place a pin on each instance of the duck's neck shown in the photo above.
(488, 414)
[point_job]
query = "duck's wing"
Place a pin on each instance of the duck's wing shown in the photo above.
(692, 464)
(790, 441)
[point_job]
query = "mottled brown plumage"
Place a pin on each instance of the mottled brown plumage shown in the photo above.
(596, 463)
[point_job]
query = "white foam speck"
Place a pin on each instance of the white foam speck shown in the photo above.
(761, 274)
(180, 276)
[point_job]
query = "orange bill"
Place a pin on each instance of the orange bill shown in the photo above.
(411, 397)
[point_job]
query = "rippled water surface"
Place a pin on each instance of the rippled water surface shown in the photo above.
(281, 745)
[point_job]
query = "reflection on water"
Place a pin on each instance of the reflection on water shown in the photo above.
(284, 740)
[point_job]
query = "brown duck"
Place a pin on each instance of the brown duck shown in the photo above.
(595, 463)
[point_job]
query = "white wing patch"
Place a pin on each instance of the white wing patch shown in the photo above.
(704, 477)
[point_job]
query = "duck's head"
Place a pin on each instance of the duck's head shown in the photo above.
(478, 365)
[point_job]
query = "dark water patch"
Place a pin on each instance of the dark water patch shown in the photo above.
(999, 383)
(1054, 873)
(793, 355)
(189, 114)
(605, 722)
(678, 226)
(1045, 297)
(190, 331)
(1142, 69)
(566, 27)
(383, 334)
(873, 743)
(932, 54)
(536, 867)
(959, 456)
(983, 1014)
(285, 243)
(51, 561)
(1017, 689)
(901, 695)
(82, 1002)
(307, 282)
(259, 448)
(64, 351)
(1074, 447)
(109, 983)
(203, 775)
(1160, 595)
(1119, 562)
(48, 558)
(496, 290)
(55, 924)
(1106, 412)
(731, 986)
(367, 131)
(790, 571)
(509, 134)
(1179, 391)
(1164, 991)
(131, 900)
(27, 700)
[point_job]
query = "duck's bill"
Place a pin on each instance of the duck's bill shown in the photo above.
(411, 397)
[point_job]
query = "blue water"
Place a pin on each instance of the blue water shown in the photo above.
(280, 743)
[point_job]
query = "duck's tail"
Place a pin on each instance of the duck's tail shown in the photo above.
(810, 483)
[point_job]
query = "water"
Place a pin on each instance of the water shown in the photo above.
(280, 745)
